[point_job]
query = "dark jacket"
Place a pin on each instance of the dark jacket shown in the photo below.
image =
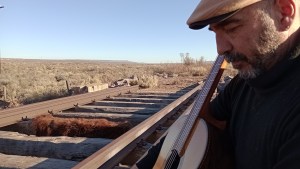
(263, 116)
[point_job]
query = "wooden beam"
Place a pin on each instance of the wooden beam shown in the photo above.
(133, 118)
(18, 162)
(62, 147)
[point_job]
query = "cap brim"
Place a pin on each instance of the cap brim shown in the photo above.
(216, 19)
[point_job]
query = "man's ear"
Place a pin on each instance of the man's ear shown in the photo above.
(286, 11)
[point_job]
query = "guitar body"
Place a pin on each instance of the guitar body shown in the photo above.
(194, 152)
(197, 148)
(209, 147)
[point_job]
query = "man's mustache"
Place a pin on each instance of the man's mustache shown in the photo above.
(233, 57)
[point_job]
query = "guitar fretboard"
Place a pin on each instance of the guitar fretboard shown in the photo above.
(200, 99)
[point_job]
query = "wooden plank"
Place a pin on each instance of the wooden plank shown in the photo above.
(129, 104)
(141, 100)
(68, 148)
(134, 95)
(133, 118)
(119, 110)
(20, 162)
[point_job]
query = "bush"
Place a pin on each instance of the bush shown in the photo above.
(199, 71)
(187, 60)
(148, 81)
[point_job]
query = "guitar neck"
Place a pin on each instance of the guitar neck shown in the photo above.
(202, 99)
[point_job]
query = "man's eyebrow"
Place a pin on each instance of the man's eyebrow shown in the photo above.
(224, 23)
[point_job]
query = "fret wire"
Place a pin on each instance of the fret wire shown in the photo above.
(178, 144)
(193, 115)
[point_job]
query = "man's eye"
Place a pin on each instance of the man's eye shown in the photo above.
(231, 29)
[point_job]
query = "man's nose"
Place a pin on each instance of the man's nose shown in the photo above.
(223, 44)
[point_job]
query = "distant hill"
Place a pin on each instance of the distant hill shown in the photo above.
(72, 60)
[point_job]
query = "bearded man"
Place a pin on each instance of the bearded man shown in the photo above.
(261, 38)
(261, 105)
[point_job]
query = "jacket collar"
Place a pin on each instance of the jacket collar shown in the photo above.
(278, 72)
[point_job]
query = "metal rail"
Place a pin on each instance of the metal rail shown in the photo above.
(111, 154)
(13, 115)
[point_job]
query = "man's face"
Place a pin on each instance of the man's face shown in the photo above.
(249, 40)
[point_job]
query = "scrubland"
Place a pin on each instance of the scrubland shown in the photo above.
(29, 81)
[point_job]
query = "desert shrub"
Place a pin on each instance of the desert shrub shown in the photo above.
(59, 78)
(174, 82)
(148, 81)
(170, 69)
(200, 62)
(188, 60)
(196, 73)
(185, 74)
(199, 71)
(43, 96)
(5, 82)
(133, 82)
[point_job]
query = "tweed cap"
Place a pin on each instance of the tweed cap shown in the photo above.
(213, 11)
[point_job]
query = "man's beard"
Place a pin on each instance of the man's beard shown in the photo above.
(264, 55)
(256, 65)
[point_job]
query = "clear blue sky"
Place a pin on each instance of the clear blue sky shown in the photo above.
(150, 31)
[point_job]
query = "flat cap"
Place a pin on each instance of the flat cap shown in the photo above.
(213, 11)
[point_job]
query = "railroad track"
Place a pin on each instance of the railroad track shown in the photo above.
(149, 113)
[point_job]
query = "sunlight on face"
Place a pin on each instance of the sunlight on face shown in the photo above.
(263, 52)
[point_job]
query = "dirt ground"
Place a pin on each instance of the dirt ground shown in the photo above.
(173, 84)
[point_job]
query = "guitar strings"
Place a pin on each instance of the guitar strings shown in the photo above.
(194, 113)
(178, 144)
(190, 119)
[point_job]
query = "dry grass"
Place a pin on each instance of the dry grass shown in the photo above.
(47, 125)
(29, 81)
(148, 81)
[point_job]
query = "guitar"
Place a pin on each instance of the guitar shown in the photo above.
(191, 139)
